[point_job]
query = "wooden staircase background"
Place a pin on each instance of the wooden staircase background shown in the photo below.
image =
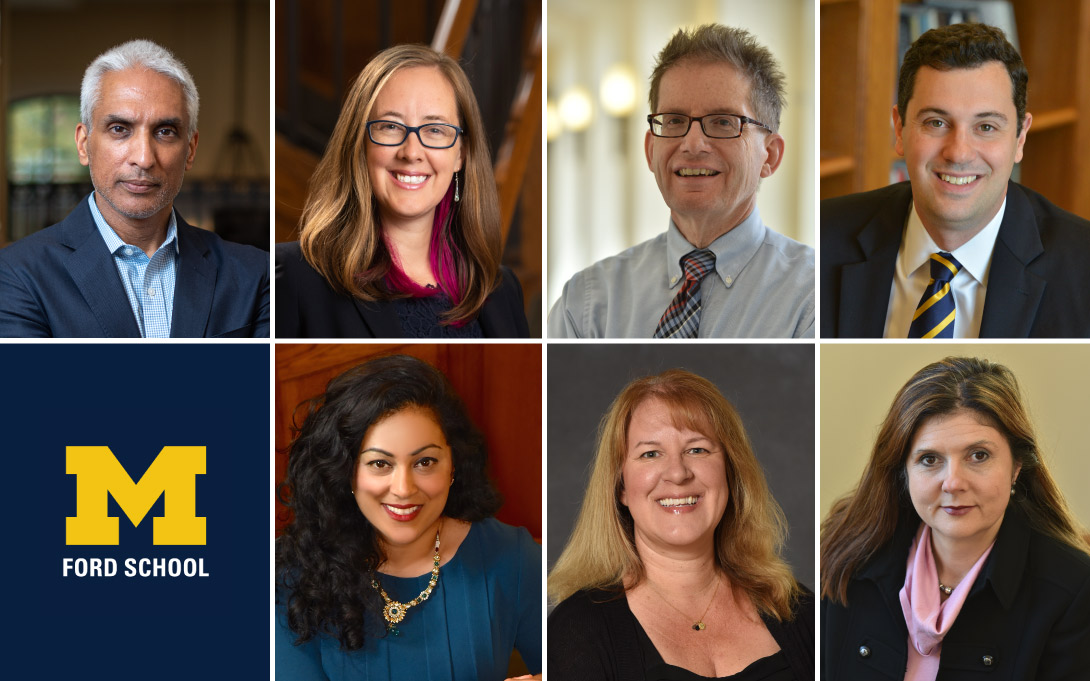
(322, 45)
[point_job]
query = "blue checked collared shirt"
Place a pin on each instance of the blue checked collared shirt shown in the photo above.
(762, 287)
(149, 282)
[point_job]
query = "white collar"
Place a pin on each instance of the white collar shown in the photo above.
(975, 255)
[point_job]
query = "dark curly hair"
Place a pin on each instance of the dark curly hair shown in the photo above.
(325, 557)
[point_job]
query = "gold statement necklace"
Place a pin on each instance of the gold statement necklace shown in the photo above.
(395, 611)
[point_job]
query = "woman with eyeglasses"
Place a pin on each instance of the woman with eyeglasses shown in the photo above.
(400, 235)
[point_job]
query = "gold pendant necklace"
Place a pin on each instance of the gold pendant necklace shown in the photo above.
(395, 611)
(698, 625)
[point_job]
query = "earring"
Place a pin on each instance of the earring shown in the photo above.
(452, 479)
(1012, 490)
(457, 194)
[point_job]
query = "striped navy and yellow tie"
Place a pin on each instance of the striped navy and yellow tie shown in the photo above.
(934, 317)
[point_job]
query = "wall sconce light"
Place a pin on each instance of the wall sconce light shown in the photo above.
(553, 125)
(576, 109)
(617, 90)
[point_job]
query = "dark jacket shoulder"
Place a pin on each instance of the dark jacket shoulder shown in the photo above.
(307, 306)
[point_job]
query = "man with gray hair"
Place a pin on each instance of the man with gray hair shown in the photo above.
(124, 263)
(718, 271)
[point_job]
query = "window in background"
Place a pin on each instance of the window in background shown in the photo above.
(45, 178)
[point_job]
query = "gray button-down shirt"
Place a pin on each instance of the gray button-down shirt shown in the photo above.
(763, 287)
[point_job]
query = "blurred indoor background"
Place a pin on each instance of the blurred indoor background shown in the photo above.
(602, 198)
(322, 45)
(45, 46)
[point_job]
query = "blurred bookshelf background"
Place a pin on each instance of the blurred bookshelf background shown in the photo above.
(863, 42)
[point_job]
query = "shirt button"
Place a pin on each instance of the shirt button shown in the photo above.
(988, 660)
(151, 292)
(673, 280)
(729, 280)
(128, 251)
(864, 651)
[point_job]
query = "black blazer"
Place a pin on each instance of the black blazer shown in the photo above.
(593, 636)
(61, 282)
(1038, 285)
(1028, 613)
(307, 307)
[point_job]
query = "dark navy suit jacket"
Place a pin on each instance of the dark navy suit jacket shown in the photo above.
(308, 307)
(62, 282)
(1038, 284)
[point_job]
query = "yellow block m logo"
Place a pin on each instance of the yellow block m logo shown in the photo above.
(98, 473)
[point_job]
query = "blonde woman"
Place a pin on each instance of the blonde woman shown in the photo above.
(673, 569)
(400, 236)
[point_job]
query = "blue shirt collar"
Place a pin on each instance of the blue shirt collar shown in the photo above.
(114, 242)
(733, 250)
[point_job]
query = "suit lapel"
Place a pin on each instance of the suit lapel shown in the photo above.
(865, 286)
(195, 286)
(92, 268)
(1014, 292)
(380, 318)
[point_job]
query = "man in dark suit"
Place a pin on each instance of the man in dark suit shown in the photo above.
(959, 251)
(123, 263)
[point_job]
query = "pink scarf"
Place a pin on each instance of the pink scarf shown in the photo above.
(927, 616)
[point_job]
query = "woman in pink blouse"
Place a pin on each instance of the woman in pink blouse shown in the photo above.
(956, 555)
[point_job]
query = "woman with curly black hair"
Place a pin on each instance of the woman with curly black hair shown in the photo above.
(393, 565)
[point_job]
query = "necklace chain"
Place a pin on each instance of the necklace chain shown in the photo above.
(395, 611)
(698, 625)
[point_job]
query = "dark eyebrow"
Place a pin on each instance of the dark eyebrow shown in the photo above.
(386, 453)
(943, 112)
(971, 445)
(112, 119)
(115, 118)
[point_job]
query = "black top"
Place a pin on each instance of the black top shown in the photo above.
(1026, 617)
(771, 668)
(593, 636)
(307, 307)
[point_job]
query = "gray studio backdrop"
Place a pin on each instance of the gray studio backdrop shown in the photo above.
(772, 386)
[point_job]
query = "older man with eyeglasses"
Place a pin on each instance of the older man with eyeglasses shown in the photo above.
(718, 271)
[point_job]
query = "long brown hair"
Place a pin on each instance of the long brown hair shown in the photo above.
(601, 552)
(865, 520)
(341, 236)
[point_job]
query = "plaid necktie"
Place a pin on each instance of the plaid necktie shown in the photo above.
(682, 317)
(935, 314)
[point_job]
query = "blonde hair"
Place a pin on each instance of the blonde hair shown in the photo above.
(340, 234)
(601, 552)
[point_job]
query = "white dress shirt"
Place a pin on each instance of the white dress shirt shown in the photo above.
(913, 274)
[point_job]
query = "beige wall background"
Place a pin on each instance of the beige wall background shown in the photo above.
(858, 383)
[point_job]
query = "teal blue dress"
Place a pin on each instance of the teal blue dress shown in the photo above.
(487, 603)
